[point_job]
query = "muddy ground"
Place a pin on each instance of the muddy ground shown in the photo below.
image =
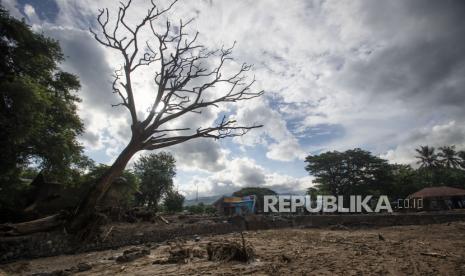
(399, 250)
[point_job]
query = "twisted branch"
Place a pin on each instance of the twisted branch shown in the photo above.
(186, 72)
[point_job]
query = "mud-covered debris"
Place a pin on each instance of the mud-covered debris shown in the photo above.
(83, 267)
(339, 227)
(184, 254)
(285, 258)
(181, 254)
(53, 273)
(434, 254)
(230, 251)
(132, 254)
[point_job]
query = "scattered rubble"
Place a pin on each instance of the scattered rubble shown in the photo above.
(436, 249)
(81, 267)
(132, 254)
(339, 227)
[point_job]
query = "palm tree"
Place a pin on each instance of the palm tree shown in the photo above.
(461, 155)
(427, 158)
(449, 157)
(428, 161)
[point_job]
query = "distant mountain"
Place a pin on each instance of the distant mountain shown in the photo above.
(207, 200)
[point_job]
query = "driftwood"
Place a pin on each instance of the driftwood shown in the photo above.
(433, 254)
(107, 234)
(163, 219)
(33, 226)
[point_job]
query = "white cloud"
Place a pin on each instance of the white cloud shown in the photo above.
(450, 133)
(243, 172)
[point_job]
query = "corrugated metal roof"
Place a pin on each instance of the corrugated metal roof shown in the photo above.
(438, 191)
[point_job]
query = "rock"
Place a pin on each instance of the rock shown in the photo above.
(381, 238)
(339, 227)
(160, 261)
(53, 273)
(83, 267)
(132, 254)
(197, 238)
(286, 258)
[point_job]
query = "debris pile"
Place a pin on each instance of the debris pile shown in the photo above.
(81, 267)
(227, 251)
(132, 254)
(180, 253)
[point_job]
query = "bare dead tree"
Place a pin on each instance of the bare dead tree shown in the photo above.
(183, 77)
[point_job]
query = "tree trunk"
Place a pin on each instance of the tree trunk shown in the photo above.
(88, 207)
(38, 225)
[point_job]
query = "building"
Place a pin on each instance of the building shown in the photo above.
(236, 205)
(440, 198)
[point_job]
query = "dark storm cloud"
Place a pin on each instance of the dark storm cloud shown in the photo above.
(200, 153)
(421, 58)
(251, 176)
(87, 60)
(90, 138)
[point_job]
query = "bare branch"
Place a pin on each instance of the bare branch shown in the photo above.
(187, 71)
(226, 128)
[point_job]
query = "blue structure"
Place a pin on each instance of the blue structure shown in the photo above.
(236, 205)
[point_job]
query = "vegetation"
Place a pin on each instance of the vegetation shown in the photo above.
(155, 172)
(348, 173)
(359, 172)
(124, 189)
(201, 208)
(38, 119)
(173, 201)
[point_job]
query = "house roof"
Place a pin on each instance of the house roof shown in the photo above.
(233, 199)
(438, 192)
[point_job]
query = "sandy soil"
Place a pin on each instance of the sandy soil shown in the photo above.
(402, 250)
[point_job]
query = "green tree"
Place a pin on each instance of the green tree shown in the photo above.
(258, 192)
(405, 181)
(210, 209)
(449, 177)
(428, 159)
(38, 119)
(313, 192)
(173, 201)
(122, 192)
(156, 172)
(351, 172)
(196, 209)
(461, 155)
(449, 157)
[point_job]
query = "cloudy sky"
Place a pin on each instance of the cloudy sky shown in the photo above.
(385, 76)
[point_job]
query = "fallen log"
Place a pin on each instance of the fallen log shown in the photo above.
(163, 219)
(33, 226)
